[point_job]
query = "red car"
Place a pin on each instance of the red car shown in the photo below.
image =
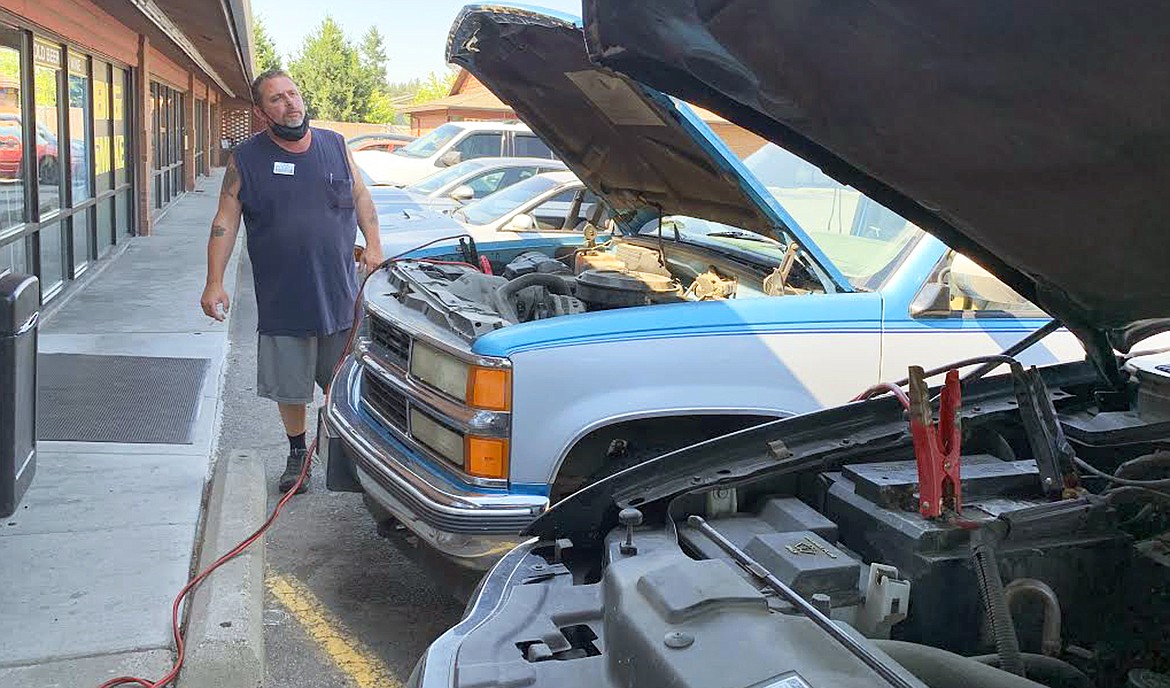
(12, 150)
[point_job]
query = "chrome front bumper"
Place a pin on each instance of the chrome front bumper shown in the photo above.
(471, 527)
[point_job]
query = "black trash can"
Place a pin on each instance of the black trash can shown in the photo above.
(20, 300)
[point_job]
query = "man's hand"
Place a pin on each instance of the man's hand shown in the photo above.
(371, 259)
(213, 297)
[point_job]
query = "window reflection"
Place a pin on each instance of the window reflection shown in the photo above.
(105, 219)
(121, 128)
(47, 95)
(80, 231)
(52, 257)
(11, 134)
(12, 258)
(80, 124)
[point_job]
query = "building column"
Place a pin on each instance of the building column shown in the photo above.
(208, 130)
(143, 131)
(189, 135)
(217, 133)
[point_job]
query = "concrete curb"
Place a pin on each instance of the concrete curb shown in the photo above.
(225, 625)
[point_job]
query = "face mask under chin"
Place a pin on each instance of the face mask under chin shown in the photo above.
(290, 133)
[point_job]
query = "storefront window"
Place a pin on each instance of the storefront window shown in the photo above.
(12, 258)
(12, 158)
(121, 128)
(103, 145)
(105, 225)
(123, 213)
(52, 256)
(47, 95)
(80, 128)
(80, 229)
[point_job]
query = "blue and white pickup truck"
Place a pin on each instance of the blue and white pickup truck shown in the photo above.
(708, 295)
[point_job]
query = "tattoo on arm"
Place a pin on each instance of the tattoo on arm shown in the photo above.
(218, 231)
(231, 179)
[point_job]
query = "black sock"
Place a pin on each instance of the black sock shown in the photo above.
(298, 442)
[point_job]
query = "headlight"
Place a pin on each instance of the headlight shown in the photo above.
(481, 387)
(444, 441)
(482, 457)
(439, 370)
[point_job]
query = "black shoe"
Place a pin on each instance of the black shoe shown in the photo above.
(292, 470)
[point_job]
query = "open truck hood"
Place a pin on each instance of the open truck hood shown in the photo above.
(1031, 137)
(637, 148)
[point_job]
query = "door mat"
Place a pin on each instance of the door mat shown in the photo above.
(125, 399)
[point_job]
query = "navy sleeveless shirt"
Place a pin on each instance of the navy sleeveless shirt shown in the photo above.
(301, 226)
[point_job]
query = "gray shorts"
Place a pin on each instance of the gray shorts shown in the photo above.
(287, 367)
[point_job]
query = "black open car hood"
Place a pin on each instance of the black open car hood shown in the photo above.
(1033, 137)
(637, 148)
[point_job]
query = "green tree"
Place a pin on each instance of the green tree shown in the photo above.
(380, 110)
(372, 83)
(436, 85)
(266, 56)
(373, 60)
(328, 71)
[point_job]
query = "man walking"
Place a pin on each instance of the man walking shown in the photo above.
(301, 199)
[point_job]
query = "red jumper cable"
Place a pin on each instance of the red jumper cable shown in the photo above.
(176, 607)
(936, 447)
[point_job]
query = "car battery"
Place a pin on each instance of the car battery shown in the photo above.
(19, 316)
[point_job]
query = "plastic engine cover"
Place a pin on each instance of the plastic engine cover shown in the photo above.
(615, 289)
(675, 621)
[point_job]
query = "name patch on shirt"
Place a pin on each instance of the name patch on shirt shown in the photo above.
(285, 168)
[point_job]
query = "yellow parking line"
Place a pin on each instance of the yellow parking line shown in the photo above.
(350, 656)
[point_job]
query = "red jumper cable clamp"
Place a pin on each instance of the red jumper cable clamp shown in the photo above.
(936, 447)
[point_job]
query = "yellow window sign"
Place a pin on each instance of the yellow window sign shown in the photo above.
(101, 151)
(119, 152)
(101, 100)
(119, 104)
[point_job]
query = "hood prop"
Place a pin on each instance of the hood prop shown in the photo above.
(883, 668)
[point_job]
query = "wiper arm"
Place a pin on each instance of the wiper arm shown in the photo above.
(747, 236)
(887, 669)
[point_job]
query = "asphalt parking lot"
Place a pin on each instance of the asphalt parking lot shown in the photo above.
(343, 606)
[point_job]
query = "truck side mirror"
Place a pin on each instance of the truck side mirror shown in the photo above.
(521, 223)
(932, 301)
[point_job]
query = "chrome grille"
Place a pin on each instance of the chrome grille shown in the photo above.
(385, 401)
(392, 344)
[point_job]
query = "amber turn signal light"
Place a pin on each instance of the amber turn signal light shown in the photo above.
(490, 388)
(486, 457)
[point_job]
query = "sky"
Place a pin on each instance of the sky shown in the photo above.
(415, 31)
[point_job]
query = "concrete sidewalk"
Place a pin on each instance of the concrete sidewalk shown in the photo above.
(105, 537)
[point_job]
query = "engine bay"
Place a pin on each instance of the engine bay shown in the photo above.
(1027, 583)
(480, 295)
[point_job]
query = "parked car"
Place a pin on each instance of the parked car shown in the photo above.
(451, 144)
(534, 212)
(692, 302)
(787, 554)
(468, 181)
(383, 142)
(12, 150)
